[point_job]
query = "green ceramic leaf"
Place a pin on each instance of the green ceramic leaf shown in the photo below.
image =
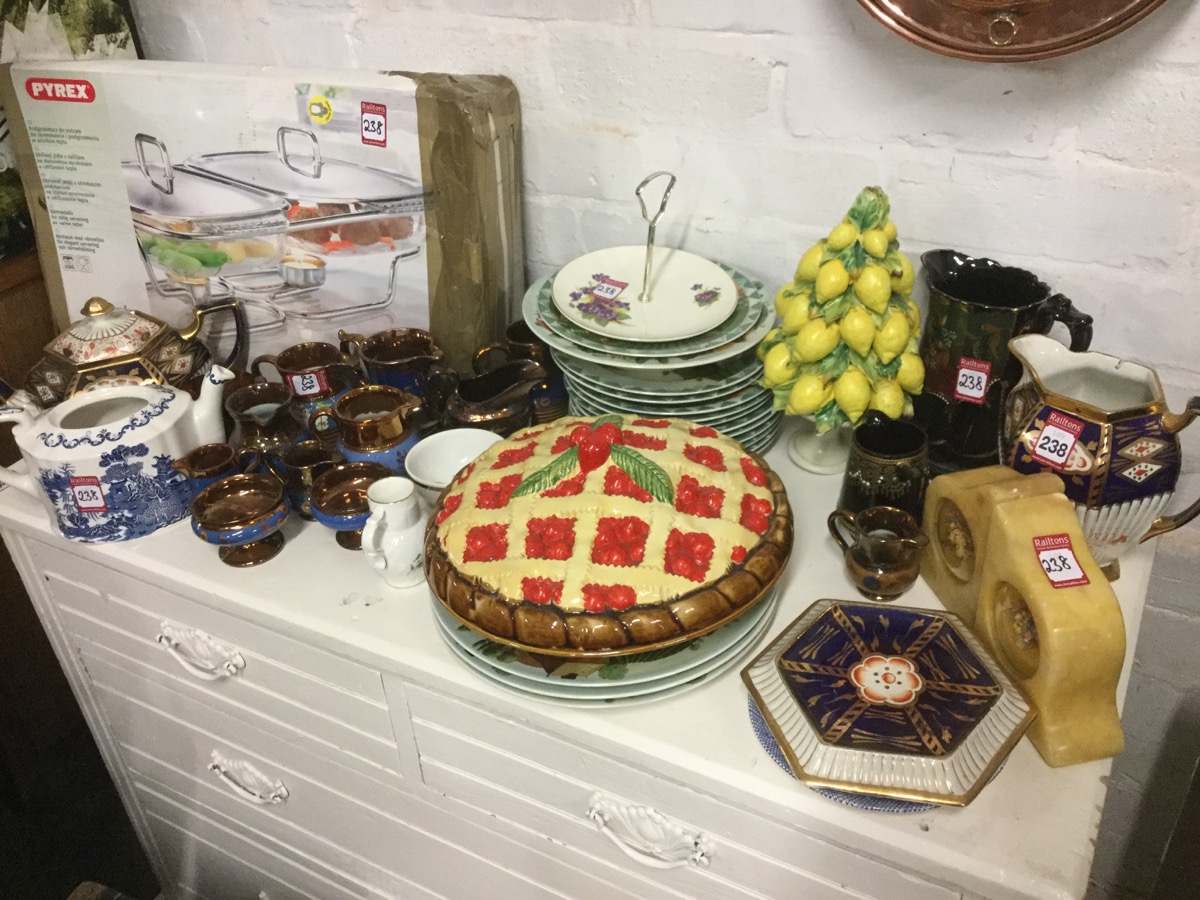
(835, 309)
(890, 369)
(833, 365)
(607, 420)
(614, 669)
(869, 364)
(853, 257)
(780, 395)
(829, 416)
(870, 209)
(646, 474)
(548, 475)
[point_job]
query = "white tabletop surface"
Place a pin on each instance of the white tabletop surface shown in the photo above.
(1028, 834)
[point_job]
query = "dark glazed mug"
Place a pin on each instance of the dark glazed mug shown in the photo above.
(882, 549)
(888, 466)
(404, 358)
(975, 306)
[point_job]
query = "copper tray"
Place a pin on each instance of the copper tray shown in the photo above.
(993, 31)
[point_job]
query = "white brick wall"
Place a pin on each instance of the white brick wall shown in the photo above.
(773, 113)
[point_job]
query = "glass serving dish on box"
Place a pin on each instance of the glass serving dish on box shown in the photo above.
(335, 206)
(192, 227)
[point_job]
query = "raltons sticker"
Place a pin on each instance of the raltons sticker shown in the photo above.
(1058, 560)
(69, 90)
(1057, 440)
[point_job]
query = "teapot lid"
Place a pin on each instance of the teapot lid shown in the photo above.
(106, 333)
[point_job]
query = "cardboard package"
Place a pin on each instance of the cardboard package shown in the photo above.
(324, 201)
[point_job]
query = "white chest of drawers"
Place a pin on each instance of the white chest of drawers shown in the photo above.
(300, 730)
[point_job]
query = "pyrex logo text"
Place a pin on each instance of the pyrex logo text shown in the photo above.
(70, 90)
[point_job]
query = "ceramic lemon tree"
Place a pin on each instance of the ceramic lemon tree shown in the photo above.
(847, 337)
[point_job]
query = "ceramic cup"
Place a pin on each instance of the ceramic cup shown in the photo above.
(339, 499)
(377, 423)
(549, 398)
(298, 466)
(888, 466)
(394, 537)
(882, 549)
(212, 462)
(435, 460)
(312, 370)
(265, 417)
(242, 514)
(402, 358)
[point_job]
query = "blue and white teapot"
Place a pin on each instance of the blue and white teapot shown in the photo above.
(101, 461)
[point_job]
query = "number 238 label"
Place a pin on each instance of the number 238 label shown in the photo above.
(373, 119)
(1057, 440)
(89, 498)
(1058, 560)
(972, 380)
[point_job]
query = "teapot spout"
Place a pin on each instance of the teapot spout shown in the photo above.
(206, 412)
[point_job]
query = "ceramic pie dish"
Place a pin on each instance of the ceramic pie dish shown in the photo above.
(891, 701)
(597, 537)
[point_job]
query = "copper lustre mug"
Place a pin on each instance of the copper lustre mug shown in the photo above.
(312, 370)
(881, 547)
(888, 466)
(402, 358)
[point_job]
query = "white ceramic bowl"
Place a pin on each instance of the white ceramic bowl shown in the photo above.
(436, 459)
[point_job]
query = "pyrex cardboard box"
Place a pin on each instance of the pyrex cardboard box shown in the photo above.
(323, 201)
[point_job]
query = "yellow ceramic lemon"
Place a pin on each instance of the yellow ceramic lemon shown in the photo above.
(842, 236)
(913, 315)
(911, 376)
(808, 394)
(858, 330)
(783, 299)
(875, 242)
(889, 230)
(761, 349)
(777, 365)
(888, 398)
(815, 341)
(832, 280)
(891, 339)
(852, 391)
(810, 263)
(874, 287)
(796, 316)
(902, 282)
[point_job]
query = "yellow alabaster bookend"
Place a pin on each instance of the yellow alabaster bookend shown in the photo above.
(958, 510)
(1050, 618)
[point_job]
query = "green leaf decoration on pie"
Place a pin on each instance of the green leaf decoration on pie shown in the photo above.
(646, 474)
(548, 475)
(607, 420)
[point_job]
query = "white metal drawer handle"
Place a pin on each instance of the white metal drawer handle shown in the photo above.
(649, 837)
(201, 656)
(247, 782)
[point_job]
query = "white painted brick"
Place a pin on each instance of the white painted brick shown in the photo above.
(1149, 122)
(617, 11)
(616, 77)
(756, 16)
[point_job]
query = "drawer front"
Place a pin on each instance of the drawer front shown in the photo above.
(155, 604)
(253, 681)
(216, 863)
(515, 771)
(329, 813)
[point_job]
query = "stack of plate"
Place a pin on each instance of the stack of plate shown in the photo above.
(613, 680)
(686, 353)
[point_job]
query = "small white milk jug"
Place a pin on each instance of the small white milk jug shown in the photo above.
(393, 538)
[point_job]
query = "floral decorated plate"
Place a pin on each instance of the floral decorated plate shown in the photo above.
(688, 294)
(744, 317)
(878, 699)
(650, 362)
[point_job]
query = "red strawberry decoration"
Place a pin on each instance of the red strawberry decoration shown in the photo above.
(449, 505)
(738, 555)
(652, 423)
(705, 455)
(495, 494)
(695, 500)
(703, 431)
(512, 457)
(643, 441)
(552, 537)
(620, 541)
(486, 543)
(541, 590)
(568, 487)
(618, 484)
(755, 511)
(599, 597)
(754, 474)
(688, 554)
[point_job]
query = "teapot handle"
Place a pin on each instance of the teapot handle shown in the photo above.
(479, 362)
(237, 356)
(837, 519)
(22, 481)
(1172, 423)
(1078, 324)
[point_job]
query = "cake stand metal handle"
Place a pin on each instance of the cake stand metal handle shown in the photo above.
(653, 222)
